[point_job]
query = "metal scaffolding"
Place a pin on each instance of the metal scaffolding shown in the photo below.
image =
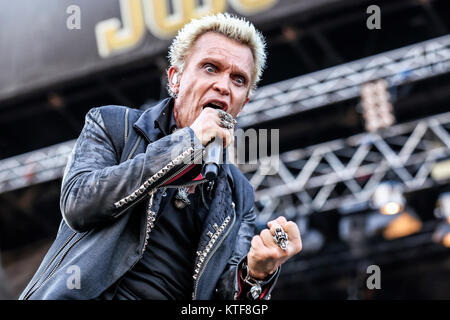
(327, 176)
(34, 167)
(317, 89)
(344, 173)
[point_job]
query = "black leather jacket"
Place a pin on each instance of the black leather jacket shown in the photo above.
(116, 166)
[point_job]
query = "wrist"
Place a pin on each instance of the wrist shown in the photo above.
(260, 276)
(256, 274)
(252, 278)
(255, 288)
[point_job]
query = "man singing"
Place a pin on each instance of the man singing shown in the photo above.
(140, 221)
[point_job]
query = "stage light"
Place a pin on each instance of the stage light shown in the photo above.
(376, 106)
(393, 226)
(442, 234)
(442, 211)
(443, 207)
(391, 208)
(402, 225)
(441, 170)
(446, 240)
(388, 198)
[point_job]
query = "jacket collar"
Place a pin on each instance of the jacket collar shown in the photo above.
(146, 122)
(146, 126)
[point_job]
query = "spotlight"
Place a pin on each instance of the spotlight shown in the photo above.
(403, 225)
(391, 208)
(393, 226)
(442, 211)
(388, 198)
(442, 235)
(446, 239)
(441, 170)
(443, 207)
(376, 105)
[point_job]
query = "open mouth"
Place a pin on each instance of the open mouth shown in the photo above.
(215, 105)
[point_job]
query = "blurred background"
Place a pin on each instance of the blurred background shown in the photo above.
(360, 93)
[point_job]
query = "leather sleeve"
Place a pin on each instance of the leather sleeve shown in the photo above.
(97, 189)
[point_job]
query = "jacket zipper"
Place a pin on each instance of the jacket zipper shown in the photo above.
(134, 148)
(208, 258)
(56, 265)
(151, 215)
(51, 261)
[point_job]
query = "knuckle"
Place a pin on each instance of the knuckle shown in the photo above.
(264, 233)
(291, 223)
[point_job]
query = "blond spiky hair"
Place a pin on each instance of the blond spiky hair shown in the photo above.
(231, 26)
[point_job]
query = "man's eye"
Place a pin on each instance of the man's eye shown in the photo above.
(240, 80)
(209, 68)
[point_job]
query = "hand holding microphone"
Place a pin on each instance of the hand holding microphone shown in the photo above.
(212, 127)
(213, 123)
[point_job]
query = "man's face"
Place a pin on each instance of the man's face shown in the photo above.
(216, 73)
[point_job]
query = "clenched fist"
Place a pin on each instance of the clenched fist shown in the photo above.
(265, 256)
(207, 126)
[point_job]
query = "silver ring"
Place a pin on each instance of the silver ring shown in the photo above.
(226, 116)
(281, 238)
(225, 124)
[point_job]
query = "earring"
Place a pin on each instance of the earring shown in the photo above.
(175, 79)
(174, 82)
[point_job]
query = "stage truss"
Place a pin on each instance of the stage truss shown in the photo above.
(344, 173)
(333, 175)
(327, 176)
(397, 67)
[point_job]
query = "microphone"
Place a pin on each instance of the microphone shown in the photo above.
(212, 159)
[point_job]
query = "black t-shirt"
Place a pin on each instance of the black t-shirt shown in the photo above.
(166, 268)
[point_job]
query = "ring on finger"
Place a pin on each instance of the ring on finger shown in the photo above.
(281, 238)
(226, 124)
(226, 116)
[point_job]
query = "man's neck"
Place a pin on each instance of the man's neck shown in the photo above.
(175, 114)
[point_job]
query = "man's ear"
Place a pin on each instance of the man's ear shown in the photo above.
(174, 79)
